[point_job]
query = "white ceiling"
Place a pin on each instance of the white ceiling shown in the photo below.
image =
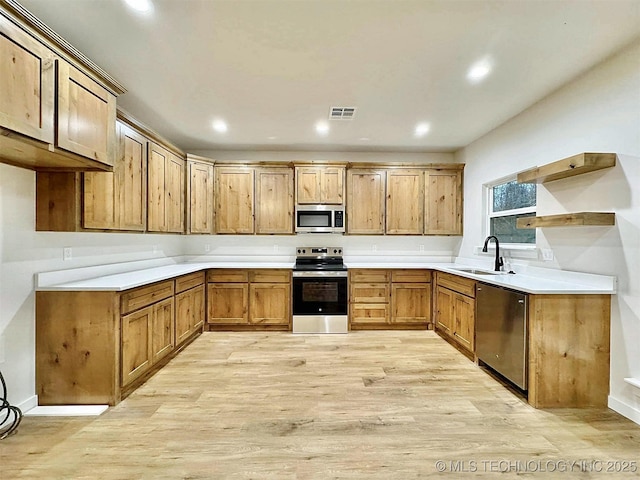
(272, 68)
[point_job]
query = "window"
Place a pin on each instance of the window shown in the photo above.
(508, 201)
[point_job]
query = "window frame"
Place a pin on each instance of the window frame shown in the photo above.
(489, 213)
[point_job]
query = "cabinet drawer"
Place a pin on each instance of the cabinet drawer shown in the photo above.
(141, 297)
(411, 276)
(369, 313)
(191, 280)
(458, 284)
(270, 276)
(369, 276)
(369, 293)
(227, 276)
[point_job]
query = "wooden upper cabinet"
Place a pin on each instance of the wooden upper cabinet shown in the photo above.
(405, 202)
(86, 115)
(199, 196)
(27, 81)
(274, 200)
(320, 185)
(175, 192)
(166, 190)
(118, 200)
(443, 202)
(365, 201)
(156, 174)
(234, 199)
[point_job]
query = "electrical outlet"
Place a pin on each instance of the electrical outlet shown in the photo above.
(422, 248)
(66, 253)
(547, 255)
(207, 248)
(374, 248)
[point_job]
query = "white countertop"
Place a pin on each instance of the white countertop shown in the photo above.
(527, 279)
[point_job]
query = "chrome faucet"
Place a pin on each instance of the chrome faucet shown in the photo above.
(499, 261)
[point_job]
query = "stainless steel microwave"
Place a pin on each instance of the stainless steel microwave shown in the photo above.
(320, 219)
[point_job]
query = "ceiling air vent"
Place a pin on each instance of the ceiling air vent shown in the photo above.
(342, 113)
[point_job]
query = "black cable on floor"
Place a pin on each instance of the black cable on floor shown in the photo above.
(12, 415)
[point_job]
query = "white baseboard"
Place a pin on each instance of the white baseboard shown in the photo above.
(29, 404)
(67, 411)
(623, 409)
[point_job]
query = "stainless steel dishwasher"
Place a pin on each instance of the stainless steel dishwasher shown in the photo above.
(501, 332)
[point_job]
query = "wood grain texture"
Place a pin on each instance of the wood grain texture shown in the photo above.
(366, 201)
(200, 210)
(580, 219)
(136, 344)
(320, 185)
(269, 303)
(228, 303)
(405, 202)
(274, 201)
(443, 202)
(411, 303)
(86, 115)
(58, 203)
(190, 313)
(77, 345)
(569, 350)
(367, 405)
(234, 194)
(568, 167)
(156, 186)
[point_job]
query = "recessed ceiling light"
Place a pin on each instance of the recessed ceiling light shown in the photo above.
(421, 129)
(322, 128)
(272, 138)
(142, 6)
(220, 126)
(479, 70)
(364, 139)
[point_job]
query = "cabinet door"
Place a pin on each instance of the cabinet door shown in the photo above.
(365, 202)
(234, 200)
(136, 344)
(175, 193)
(369, 292)
(464, 313)
(269, 303)
(86, 115)
(189, 313)
(444, 310)
(200, 197)
(132, 173)
(118, 199)
(410, 303)
(405, 202)
(27, 81)
(274, 201)
(228, 303)
(162, 330)
(156, 206)
(308, 185)
(443, 202)
(332, 185)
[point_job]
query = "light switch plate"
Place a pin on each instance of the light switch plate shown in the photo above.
(547, 255)
(67, 253)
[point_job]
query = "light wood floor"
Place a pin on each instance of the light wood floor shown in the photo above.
(379, 405)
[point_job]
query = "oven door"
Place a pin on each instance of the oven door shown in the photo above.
(320, 293)
(320, 302)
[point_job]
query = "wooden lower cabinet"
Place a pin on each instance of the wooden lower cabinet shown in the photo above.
(455, 310)
(97, 347)
(190, 308)
(243, 299)
(387, 299)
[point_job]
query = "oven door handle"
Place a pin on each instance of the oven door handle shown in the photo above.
(320, 274)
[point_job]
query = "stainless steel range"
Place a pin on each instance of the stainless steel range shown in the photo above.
(320, 291)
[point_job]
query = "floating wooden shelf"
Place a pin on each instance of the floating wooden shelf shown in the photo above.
(581, 219)
(568, 167)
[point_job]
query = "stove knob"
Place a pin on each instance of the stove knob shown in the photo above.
(298, 250)
(304, 251)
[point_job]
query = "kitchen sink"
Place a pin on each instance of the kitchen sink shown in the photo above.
(476, 271)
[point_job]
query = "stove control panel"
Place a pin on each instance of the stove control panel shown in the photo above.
(319, 251)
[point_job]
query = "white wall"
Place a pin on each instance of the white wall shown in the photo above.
(599, 112)
(23, 252)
